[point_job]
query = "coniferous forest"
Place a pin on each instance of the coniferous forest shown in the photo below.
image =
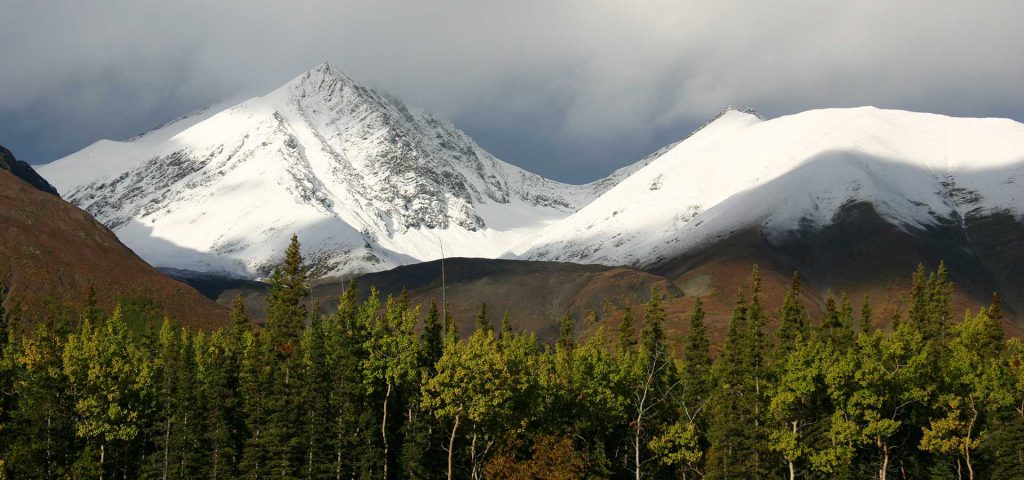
(379, 389)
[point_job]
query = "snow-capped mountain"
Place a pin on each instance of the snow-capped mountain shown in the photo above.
(796, 173)
(366, 182)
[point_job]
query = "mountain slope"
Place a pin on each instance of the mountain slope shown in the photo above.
(366, 182)
(917, 170)
(23, 171)
(50, 250)
(852, 198)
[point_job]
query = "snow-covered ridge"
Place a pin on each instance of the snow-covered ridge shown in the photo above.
(367, 182)
(778, 175)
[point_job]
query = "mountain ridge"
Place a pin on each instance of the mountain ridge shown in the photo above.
(367, 182)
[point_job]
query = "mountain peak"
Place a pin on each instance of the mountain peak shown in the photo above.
(365, 181)
(323, 77)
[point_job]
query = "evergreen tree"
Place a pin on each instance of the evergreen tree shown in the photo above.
(238, 319)
(315, 400)
(844, 336)
(255, 378)
(353, 426)
(42, 439)
(995, 309)
(482, 322)
(219, 411)
(697, 385)
(506, 325)
(793, 319)
(432, 338)
(738, 419)
(731, 429)
(696, 377)
(1006, 445)
(865, 315)
(286, 311)
(627, 331)
(567, 331)
(830, 321)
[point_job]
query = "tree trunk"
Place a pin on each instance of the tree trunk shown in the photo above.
(472, 453)
(883, 473)
(384, 430)
(451, 446)
(967, 447)
(636, 448)
(103, 452)
(792, 466)
(167, 447)
(337, 450)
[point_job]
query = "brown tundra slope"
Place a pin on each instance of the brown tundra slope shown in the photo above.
(50, 251)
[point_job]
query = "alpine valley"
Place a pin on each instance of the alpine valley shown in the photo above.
(369, 184)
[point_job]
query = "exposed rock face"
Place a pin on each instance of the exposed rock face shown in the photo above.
(24, 171)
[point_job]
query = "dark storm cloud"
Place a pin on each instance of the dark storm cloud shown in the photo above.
(566, 89)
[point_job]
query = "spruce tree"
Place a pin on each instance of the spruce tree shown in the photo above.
(432, 338)
(738, 418)
(567, 331)
(286, 310)
(793, 319)
(830, 321)
(697, 382)
(865, 315)
(40, 435)
(315, 401)
(506, 325)
(995, 309)
(627, 331)
(731, 429)
(482, 322)
(845, 334)
(220, 403)
(256, 377)
(286, 315)
(652, 336)
(238, 319)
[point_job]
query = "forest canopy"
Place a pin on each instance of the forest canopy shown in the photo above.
(380, 389)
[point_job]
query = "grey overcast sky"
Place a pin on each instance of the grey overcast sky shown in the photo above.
(567, 89)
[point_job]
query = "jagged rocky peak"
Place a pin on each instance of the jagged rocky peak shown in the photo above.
(367, 183)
